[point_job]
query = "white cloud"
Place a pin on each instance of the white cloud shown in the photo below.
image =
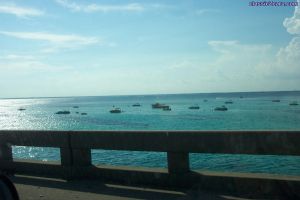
(56, 41)
(13, 62)
(292, 24)
(251, 66)
(205, 11)
(239, 61)
(254, 65)
(27, 64)
(161, 6)
(222, 46)
(288, 59)
(183, 64)
(15, 56)
(20, 11)
(132, 7)
(54, 38)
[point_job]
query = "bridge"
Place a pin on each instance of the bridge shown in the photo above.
(76, 162)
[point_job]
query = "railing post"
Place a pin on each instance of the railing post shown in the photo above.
(6, 152)
(81, 157)
(66, 157)
(74, 156)
(73, 159)
(178, 162)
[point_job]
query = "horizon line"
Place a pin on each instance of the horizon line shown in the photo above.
(153, 94)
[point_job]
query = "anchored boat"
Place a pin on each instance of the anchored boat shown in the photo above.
(294, 103)
(222, 108)
(159, 106)
(194, 107)
(115, 110)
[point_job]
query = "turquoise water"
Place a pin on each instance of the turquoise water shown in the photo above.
(255, 111)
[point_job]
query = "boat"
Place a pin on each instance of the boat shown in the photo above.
(229, 102)
(167, 108)
(64, 112)
(83, 113)
(205, 100)
(115, 110)
(195, 107)
(136, 105)
(294, 103)
(21, 109)
(276, 100)
(222, 108)
(159, 106)
(75, 106)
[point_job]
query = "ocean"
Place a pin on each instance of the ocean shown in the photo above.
(248, 111)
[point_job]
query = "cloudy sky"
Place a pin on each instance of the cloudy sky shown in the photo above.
(119, 47)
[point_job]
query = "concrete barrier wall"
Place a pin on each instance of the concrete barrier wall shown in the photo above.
(232, 142)
(75, 148)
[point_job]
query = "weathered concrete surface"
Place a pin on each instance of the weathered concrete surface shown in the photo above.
(241, 142)
(33, 188)
(35, 138)
(76, 148)
(178, 162)
(239, 183)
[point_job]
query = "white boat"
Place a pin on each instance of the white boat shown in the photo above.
(115, 110)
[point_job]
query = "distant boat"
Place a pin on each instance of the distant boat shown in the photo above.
(229, 102)
(115, 110)
(222, 108)
(276, 100)
(195, 107)
(294, 103)
(241, 97)
(159, 106)
(21, 109)
(167, 108)
(205, 100)
(83, 113)
(75, 106)
(136, 105)
(63, 112)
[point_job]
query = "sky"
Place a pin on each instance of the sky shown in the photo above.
(52, 48)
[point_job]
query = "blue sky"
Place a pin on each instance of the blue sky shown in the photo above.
(101, 47)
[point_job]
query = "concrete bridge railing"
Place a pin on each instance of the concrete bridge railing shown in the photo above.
(75, 151)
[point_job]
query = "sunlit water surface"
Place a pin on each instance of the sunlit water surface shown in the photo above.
(249, 111)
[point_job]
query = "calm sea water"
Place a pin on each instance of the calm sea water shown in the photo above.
(249, 111)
